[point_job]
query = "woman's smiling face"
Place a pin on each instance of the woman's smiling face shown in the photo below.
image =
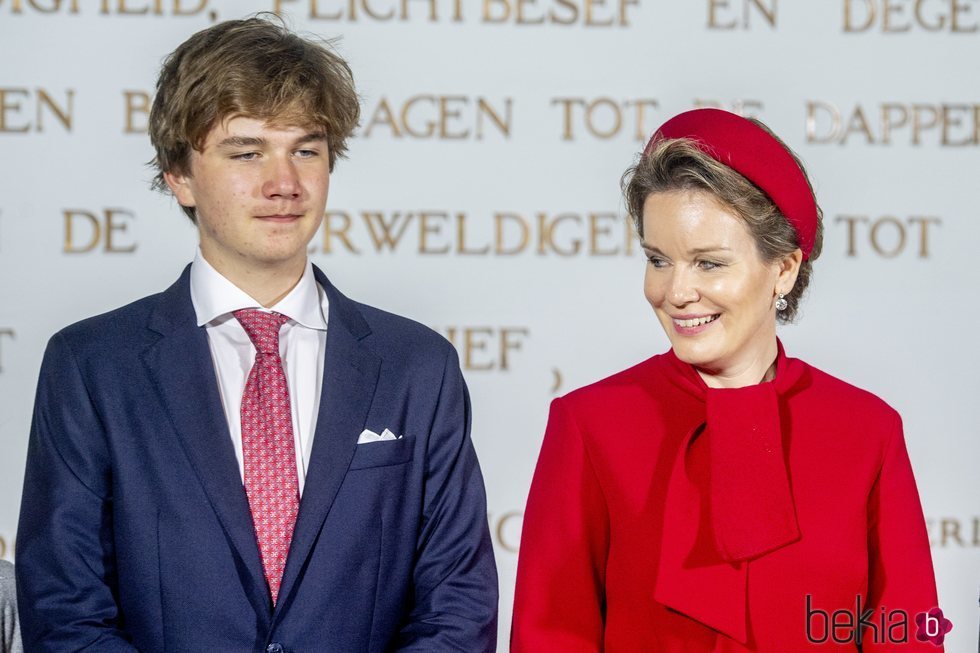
(711, 290)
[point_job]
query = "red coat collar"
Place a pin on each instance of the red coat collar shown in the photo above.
(729, 498)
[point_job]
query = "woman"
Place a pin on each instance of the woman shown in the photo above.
(722, 496)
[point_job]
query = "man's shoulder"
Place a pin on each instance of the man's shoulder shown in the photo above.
(402, 336)
(126, 324)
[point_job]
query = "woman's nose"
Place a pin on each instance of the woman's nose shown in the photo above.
(682, 289)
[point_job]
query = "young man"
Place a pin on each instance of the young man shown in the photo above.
(251, 461)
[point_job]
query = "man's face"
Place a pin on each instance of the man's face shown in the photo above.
(259, 193)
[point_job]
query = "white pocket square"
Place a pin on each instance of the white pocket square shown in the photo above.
(367, 435)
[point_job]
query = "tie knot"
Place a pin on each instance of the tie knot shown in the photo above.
(262, 328)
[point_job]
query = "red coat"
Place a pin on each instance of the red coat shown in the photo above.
(666, 516)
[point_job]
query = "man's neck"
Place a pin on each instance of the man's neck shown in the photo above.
(266, 284)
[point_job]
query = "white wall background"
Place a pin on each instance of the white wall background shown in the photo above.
(881, 99)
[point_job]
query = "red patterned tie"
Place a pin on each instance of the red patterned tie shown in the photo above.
(267, 445)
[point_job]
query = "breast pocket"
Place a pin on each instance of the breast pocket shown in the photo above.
(384, 453)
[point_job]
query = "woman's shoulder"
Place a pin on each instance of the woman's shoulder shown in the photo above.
(842, 396)
(624, 386)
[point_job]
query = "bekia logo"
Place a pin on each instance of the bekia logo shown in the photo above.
(886, 627)
(932, 627)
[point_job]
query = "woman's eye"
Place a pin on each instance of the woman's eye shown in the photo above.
(656, 261)
(708, 265)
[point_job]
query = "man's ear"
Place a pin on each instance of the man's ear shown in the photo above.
(179, 185)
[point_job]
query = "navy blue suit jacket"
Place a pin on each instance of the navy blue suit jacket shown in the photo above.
(135, 531)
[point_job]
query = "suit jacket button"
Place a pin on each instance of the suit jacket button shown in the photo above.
(274, 647)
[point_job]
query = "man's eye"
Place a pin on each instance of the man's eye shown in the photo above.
(708, 265)
(245, 156)
(307, 154)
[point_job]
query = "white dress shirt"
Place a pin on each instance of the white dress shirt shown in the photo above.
(302, 342)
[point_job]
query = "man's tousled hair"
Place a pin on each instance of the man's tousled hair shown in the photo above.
(256, 68)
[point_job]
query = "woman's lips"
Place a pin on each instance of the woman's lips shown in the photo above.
(689, 325)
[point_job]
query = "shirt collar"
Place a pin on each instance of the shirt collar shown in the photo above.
(214, 296)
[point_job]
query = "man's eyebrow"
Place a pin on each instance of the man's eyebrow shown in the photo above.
(312, 136)
(257, 141)
(242, 141)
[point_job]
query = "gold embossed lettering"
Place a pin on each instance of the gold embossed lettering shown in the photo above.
(851, 221)
(461, 245)
(63, 114)
(137, 111)
(97, 228)
(475, 341)
(123, 8)
(94, 227)
(450, 109)
(924, 117)
(180, 10)
(505, 539)
(952, 117)
(429, 126)
(959, 8)
(950, 531)
(315, 13)
(496, 11)
(898, 241)
(386, 231)
(376, 14)
(865, 8)
(891, 13)
(522, 16)
(546, 234)
(643, 131)
(599, 227)
(566, 105)
(431, 223)
(117, 220)
(716, 21)
(486, 348)
(815, 110)
(924, 223)
(337, 224)
(511, 339)
(485, 110)
(613, 117)
(383, 116)
(591, 20)
(501, 242)
(893, 116)
(10, 106)
(858, 124)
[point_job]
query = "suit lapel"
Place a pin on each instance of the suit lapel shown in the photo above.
(350, 374)
(180, 365)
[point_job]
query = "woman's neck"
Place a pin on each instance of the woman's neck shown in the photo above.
(753, 369)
